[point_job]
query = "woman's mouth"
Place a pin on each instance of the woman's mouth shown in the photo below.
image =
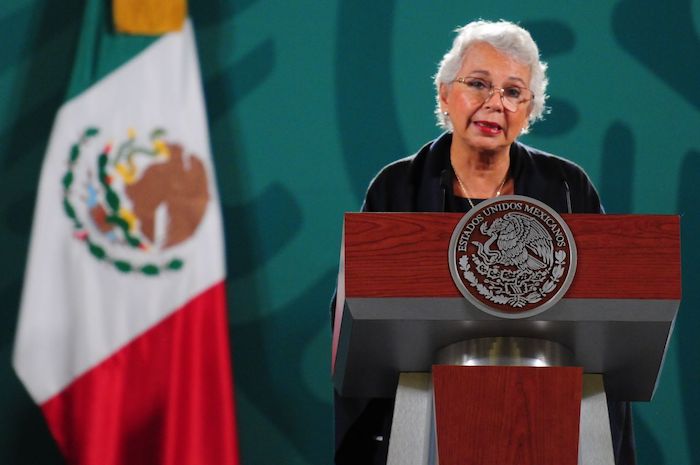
(488, 127)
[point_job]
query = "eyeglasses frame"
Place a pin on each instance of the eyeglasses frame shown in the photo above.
(506, 103)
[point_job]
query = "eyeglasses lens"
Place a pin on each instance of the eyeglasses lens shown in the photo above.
(511, 97)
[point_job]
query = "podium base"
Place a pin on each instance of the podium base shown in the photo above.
(412, 440)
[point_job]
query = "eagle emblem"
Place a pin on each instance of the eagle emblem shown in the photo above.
(131, 203)
(520, 242)
(513, 257)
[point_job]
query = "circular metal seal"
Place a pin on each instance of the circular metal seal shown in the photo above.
(512, 256)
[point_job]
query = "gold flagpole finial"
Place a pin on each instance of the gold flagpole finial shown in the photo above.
(148, 17)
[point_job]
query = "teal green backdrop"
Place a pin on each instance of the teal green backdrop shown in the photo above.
(306, 101)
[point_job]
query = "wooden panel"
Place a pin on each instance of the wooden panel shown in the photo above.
(507, 415)
(405, 255)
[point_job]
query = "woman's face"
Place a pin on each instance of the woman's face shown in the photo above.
(486, 125)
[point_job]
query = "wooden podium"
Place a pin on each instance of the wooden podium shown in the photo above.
(398, 307)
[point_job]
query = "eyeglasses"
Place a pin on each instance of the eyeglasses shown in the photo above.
(511, 96)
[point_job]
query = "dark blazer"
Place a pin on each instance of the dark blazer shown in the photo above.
(423, 183)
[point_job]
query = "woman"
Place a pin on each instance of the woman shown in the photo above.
(490, 86)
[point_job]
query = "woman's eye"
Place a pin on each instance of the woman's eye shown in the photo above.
(477, 84)
(513, 92)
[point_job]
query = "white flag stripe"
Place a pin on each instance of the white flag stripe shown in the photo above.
(62, 334)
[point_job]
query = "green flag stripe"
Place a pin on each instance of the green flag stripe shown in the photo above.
(100, 49)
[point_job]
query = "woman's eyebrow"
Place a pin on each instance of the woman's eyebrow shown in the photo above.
(516, 78)
(487, 73)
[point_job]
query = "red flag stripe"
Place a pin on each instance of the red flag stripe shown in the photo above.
(171, 385)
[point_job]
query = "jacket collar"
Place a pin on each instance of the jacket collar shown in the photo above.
(429, 165)
(434, 158)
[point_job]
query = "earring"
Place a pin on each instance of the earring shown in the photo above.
(445, 114)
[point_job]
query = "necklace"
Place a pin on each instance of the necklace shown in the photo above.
(464, 188)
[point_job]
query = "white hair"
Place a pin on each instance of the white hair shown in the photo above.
(508, 38)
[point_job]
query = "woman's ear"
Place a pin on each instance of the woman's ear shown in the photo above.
(443, 93)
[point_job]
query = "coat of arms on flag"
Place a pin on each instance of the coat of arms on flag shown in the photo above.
(133, 195)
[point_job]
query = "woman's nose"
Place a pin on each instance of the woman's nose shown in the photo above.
(494, 99)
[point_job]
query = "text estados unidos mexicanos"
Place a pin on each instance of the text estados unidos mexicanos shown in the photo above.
(475, 221)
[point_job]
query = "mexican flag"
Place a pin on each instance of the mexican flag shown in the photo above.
(123, 336)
